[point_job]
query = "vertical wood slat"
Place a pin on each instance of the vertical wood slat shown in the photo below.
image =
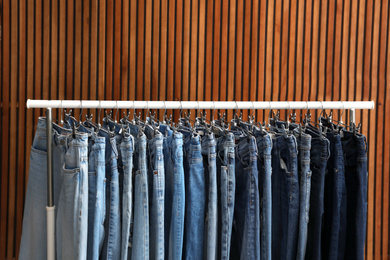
(196, 50)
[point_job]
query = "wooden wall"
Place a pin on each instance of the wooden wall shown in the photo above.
(192, 50)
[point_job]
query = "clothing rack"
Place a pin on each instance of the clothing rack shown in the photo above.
(96, 104)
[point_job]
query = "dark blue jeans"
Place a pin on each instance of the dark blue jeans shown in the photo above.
(319, 154)
(335, 202)
(355, 161)
(304, 176)
(246, 220)
(285, 197)
(264, 145)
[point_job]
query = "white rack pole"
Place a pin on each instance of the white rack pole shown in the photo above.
(201, 104)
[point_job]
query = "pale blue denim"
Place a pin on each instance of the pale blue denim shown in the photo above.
(139, 239)
(112, 239)
(72, 207)
(96, 189)
(174, 193)
(226, 191)
(125, 147)
(304, 176)
(126, 163)
(319, 154)
(156, 181)
(195, 199)
(209, 154)
(285, 197)
(264, 166)
(34, 237)
(246, 222)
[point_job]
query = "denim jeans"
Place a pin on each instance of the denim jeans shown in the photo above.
(72, 207)
(195, 195)
(285, 197)
(246, 222)
(139, 239)
(174, 193)
(126, 149)
(156, 181)
(355, 159)
(264, 146)
(96, 189)
(304, 176)
(335, 200)
(34, 237)
(319, 154)
(209, 154)
(226, 192)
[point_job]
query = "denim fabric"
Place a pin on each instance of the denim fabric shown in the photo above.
(139, 239)
(246, 221)
(304, 176)
(34, 237)
(96, 189)
(112, 224)
(226, 192)
(126, 162)
(209, 154)
(96, 199)
(156, 181)
(264, 145)
(319, 154)
(195, 195)
(174, 193)
(355, 159)
(285, 197)
(335, 200)
(72, 207)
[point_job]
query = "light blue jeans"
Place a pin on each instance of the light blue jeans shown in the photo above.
(139, 240)
(210, 169)
(195, 199)
(226, 190)
(34, 240)
(174, 193)
(112, 239)
(156, 181)
(72, 207)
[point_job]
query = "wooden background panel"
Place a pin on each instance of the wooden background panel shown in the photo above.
(193, 50)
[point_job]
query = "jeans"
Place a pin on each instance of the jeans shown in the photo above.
(195, 195)
(174, 193)
(319, 154)
(156, 181)
(304, 176)
(285, 197)
(335, 200)
(209, 154)
(72, 207)
(34, 237)
(112, 239)
(246, 222)
(264, 146)
(96, 189)
(227, 188)
(139, 239)
(355, 159)
(126, 163)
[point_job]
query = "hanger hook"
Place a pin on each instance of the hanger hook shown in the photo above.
(61, 120)
(117, 110)
(213, 110)
(100, 109)
(165, 110)
(341, 116)
(253, 108)
(81, 112)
